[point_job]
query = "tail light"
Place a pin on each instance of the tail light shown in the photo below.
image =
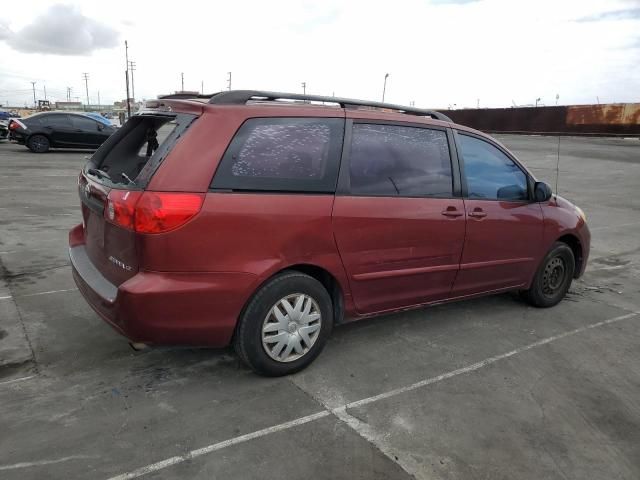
(151, 212)
(15, 124)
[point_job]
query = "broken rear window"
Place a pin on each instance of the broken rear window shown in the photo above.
(131, 156)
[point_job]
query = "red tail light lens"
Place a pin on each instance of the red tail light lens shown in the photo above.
(151, 212)
(121, 208)
(160, 212)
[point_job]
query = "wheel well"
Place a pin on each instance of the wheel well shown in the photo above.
(576, 247)
(329, 282)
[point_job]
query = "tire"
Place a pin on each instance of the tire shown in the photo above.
(553, 278)
(38, 144)
(264, 352)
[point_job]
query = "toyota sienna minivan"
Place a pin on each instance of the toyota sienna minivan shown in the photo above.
(262, 219)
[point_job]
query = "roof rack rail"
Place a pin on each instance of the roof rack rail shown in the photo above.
(240, 97)
(183, 96)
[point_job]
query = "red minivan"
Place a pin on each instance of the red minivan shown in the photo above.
(262, 219)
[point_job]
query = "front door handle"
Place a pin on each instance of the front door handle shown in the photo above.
(478, 213)
(452, 212)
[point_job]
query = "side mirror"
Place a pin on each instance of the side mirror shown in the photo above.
(542, 192)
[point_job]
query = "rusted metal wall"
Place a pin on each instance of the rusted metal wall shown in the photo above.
(608, 119)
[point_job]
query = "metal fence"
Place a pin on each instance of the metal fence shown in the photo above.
(606, 119)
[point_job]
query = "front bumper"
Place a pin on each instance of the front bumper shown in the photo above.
(165, 308)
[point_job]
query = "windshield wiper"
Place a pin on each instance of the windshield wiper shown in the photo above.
(96, 172)
(126, 177)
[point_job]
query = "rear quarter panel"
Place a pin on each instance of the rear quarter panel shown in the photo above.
(257, 233)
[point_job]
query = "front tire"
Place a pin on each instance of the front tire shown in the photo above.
(38, 144)
(285, 325)
(553, 278)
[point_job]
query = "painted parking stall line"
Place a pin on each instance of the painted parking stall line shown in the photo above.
(342, 414)
(49, 292)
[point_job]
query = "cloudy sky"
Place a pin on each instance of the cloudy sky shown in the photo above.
(437, 52)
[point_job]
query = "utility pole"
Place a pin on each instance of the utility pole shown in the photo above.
(132, 67)
(98, 99)
(45, 91)
(126, 76)
(384, 87)
(304, 88)
(68, 94)
(478, 104)
(228, 80)
(182, 77)
(202, 87)
(33, 86)
(86, 86)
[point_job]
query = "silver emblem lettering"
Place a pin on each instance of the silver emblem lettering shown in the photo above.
(119, 263)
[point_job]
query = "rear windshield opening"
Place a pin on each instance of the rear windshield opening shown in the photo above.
(131, 155)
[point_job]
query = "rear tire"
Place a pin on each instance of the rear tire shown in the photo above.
(285, 325)
(38, 144)
(553, 278)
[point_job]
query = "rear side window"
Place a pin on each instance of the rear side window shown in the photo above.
(283, 154)
(84, 123)
(490, 173)
(55, 121)
(393, 160)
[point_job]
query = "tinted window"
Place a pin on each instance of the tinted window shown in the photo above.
(84, 123)
(490, 173)
(399, 161)
(286, 154)
(55, 121)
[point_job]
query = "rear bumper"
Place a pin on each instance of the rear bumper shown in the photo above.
(166, 308)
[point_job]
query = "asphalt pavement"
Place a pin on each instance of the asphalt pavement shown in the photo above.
(484, 389)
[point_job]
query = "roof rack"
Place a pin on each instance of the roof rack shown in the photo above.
(240, 97)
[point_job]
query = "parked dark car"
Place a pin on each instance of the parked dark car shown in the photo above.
(263, 223)
(43, 131)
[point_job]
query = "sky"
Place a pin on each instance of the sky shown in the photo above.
(438, 53)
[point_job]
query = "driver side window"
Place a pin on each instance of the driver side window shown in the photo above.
(491, 175)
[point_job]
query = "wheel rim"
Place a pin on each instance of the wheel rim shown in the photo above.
(554, 276)
(291, 327)
(39, 143)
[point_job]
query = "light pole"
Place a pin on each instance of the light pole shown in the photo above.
(33, 85)
(126, 75)
(86, 86)
(304, 88)
(132, 67)
(384, 87)
(228, 80)
(537, 100)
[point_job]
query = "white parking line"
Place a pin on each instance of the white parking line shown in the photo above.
(340, 411)
(46, 462)
(154, 467)
(39, 293)
(16, 380)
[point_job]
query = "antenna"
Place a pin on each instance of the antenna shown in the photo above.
(558, 166)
